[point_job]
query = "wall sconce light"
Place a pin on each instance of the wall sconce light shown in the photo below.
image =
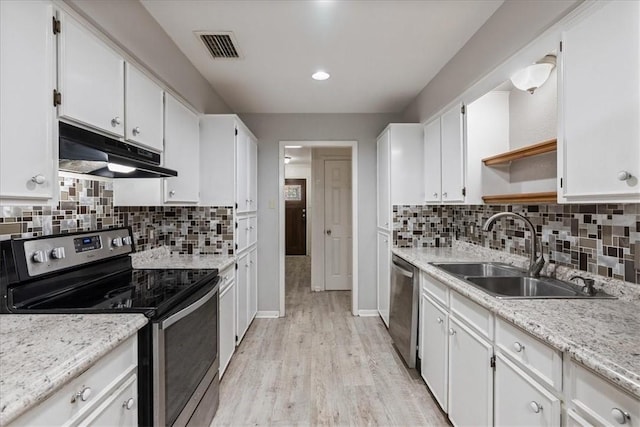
(534, 76)
(287, 159)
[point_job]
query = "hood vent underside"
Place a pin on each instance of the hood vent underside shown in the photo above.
(221, 45)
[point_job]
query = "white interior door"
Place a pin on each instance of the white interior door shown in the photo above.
(337, 220)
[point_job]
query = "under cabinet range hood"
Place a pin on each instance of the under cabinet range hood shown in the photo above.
(82, 151)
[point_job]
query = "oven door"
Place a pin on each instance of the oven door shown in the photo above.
(185, 358)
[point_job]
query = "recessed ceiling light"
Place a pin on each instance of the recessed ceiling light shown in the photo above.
(320, 75)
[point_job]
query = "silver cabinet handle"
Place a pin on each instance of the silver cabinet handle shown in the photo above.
(452, 332)
(535, 406)
(116, 121)
(624, 176)
(83, 395)
(435, 194)
(128, 404)
(136, 130)
(328, 232)
(172, 193)
(518, 347)
(440, 320)
(620, 416)
(38, 179)
(444, 194)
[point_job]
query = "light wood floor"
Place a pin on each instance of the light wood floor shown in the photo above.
(321, 366)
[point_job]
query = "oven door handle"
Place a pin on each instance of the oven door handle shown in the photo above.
(188, 310)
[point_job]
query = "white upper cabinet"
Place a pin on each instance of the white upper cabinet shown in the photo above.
(181, 152)
(444, 170)
(432, 165)
(143, 110)
(383, 180)
(599, 144)
(90, 79)
(399, 169)
(27, 58)
(253, 174)
(242, 170)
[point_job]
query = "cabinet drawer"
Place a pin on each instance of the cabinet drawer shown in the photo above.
(226, 278)
(544, 361)
(63, 409)
(520, 400)
(436, 289)
(575, 420)
(120, 409)
(599, 401)
(475, 315)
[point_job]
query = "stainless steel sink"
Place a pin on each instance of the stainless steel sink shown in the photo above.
(507, 282)
(480, 269)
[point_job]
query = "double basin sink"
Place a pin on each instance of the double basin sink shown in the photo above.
(508, 282)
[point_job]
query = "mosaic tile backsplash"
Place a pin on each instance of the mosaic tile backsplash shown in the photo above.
(88, 205)
(602, 239)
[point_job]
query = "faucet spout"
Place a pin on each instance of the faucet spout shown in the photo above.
(536, 263)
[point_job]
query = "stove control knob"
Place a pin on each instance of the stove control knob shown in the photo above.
(126, 240)
(57, 253)
(39, 256)
(117, 242)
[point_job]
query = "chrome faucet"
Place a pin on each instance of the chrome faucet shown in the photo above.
(536, 263)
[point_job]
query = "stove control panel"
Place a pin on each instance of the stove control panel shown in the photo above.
(53, 253)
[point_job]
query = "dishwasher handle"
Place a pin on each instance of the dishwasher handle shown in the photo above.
(402, 271)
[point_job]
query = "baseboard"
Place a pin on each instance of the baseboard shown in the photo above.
(267, 314)
(368, 313)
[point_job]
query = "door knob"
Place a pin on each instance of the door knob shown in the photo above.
(328, 232)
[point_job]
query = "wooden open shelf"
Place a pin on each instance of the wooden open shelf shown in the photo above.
(521, 153)
(547, 197)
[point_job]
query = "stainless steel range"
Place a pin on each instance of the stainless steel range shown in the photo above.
(91, 272)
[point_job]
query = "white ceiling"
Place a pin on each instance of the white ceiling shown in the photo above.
(380, 54)
(299, 156)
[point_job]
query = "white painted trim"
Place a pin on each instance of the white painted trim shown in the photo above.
(368, 313)
(267, 314)
(354, 213)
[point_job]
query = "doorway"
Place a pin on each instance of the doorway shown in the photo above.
(330, 213)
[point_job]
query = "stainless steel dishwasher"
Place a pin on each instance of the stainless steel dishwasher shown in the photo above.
(403, 313)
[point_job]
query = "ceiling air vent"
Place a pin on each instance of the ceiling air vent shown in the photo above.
(221, 45)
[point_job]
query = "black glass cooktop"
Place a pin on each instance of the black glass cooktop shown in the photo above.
(128, 290)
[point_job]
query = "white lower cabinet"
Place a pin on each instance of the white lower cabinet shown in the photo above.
(105, 394)
(227, 318)
(384, 276)
(434, 340)
(470, 376)
(242, 296)
(520, 400)
(253, 283)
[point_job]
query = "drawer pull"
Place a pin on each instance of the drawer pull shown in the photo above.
(535, 406)
(128, 404)
(440, 320)
(620, 416)
(452, 332)
(83, 395)
(518, 347)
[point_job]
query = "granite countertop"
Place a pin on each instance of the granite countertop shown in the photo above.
(603, 335)
(163, 258)
(40, 353)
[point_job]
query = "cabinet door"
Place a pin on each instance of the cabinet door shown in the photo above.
(242, 169)
(120, 409)
(384, 278)
(27, 162)
(384, 206)
(253, 174)
(452, 146)
(432, 165)
(143, 112)
(227, 325)
(242, 295)
(242, 233)
(520, 400)
(600, 89)
(470, 376)
(253, 284)
(181, 147)
(253, 230)
(90, 78)
(433, 345)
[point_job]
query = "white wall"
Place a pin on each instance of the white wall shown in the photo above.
(270, 129)
(128, 24)
(510, 28)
